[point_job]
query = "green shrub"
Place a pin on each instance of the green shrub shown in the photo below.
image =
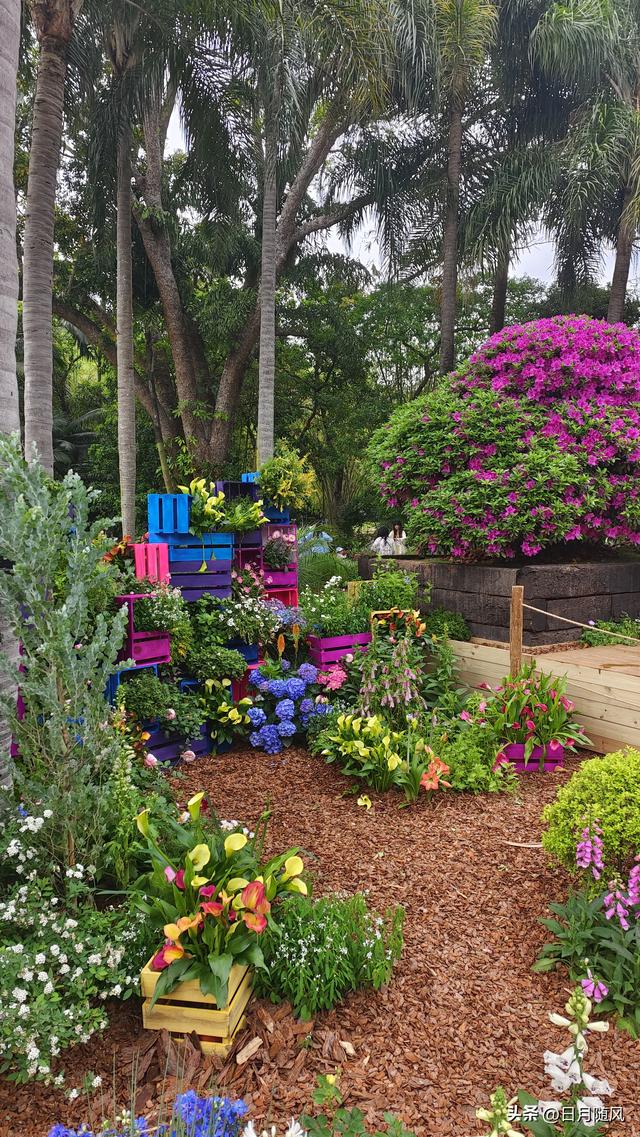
(606, 790)
(470, 756)
(315, 569)
(326, 948)
(148, 699)
(597, 636)
(390, 588)
(441, 622)
(207, 660)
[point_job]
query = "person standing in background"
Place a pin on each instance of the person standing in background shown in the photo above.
(399, 538)
(383, 543)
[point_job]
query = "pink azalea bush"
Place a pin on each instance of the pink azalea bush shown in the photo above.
(534, 443)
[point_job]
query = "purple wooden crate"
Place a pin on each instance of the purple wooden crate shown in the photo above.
(215, 581)
(143, 647)
(514, 753)
(330, 649)
(167, 748)
(274, 578)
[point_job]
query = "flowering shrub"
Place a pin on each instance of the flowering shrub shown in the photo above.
(603, 791)
(327, 947)
(219, 621)
(536, 442)
(531, 710)
(57, 969)
(247, 581)
(404, 672)
(331, 612)
(212, 903)
(580, 1113)
(285, 702)
(163, 610)
(191, 1116)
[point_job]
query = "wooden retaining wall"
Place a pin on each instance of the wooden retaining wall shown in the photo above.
(607, 699)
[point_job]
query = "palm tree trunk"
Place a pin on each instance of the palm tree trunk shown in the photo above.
(44, 158)
(450, 243)
(499, 300)
(124, 342)
(9, 408)
(624, 252)
(267, 361)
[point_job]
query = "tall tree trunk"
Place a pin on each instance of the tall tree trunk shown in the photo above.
(44, 158)
(450, 243)
(124, 342)
(499, 299)
(267, 362)
(624, 252)
(9, 408)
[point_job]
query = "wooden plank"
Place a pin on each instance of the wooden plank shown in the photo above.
(190, 991)
(169, 1016)
(516, 613)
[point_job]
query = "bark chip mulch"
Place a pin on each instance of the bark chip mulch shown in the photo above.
(463, 1012)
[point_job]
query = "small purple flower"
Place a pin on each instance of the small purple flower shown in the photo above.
(285, 665)
(307, 707)
(594, 989)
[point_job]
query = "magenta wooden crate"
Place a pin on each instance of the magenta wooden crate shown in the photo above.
(143, 647)
(152, 562)
(329, 649)
(275, 578)
(552, 760)
(215, 581)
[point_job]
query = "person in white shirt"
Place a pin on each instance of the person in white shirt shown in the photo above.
(383, 543)
(399, 538)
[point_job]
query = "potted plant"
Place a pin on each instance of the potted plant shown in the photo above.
(279, 560)
(211, 905)
(336, 626)
(189, 523)
(534, 720)
(286, 483)
(241, 625)
(165, 723)
(144, 643)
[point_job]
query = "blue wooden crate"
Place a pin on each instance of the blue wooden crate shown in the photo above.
(115, 680)
(168, 514)
(215, 581)
(247, 651)
(252, 477)
(283, 515)
(186, 547)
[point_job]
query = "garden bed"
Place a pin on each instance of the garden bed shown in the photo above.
(462, 1014)
(593, 590)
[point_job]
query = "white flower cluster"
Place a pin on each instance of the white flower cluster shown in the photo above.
(294, 1129)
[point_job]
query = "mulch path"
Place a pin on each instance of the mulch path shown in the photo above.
(463, 1012)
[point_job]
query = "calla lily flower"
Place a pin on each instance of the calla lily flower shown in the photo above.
(208, 890)
(234, 843)
(198, 881)
(142, 822)
(193, 805)
(254, 921)
(253, 897)
(167, 955)
(200, 856)
(236, 884)
(212, 908)
(184, 924)
(297, 885)
(293, 866)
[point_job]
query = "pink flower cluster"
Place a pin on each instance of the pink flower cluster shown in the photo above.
(333, 678)
(536, 442)
(619, 901)
(589, 850)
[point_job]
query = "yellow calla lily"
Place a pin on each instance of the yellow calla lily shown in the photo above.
(236, 884)
(200, 856)
(234, 843)
(393, 761)
(297, 885)
(198, 881)
(193, 805)
(142, 821)
(293, 866)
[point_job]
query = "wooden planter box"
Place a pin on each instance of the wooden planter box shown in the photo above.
(211, 547)
(591, 590)
(216, 581)
(250, 652)
(278, 578)
(143, 647)
(116, 679)
(514, 752)
(324, 650)
(187, 1010)
(151, 562)
(167, 747)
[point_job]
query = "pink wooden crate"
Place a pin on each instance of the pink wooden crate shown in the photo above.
(152, 562)
(324, 650)
(514, 753)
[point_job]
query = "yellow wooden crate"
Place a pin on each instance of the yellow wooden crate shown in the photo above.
(186, 1009)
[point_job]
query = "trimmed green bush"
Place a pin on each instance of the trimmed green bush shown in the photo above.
(606, 790)
(441, 622)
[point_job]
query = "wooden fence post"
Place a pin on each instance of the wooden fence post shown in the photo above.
(515, 629)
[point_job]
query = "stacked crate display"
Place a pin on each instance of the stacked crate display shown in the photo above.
(169, 520)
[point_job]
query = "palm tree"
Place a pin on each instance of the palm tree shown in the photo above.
(596, 47)
(9, 411)
(267, 349)
(53, 23)
(464, 30)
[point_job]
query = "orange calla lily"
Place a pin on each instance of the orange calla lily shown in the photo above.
(184, 924)
(254, 921)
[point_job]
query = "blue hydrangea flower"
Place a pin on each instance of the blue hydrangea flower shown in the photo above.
(295, 688)
(307, 706)
(270, 739)
(256, 678)
(308, 672)
(322, 708)
(256, 716)
(277, 687)
(285, 709)
(285, 665)
(255, 739)
(286, 728)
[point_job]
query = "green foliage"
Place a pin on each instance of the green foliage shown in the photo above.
(470, 756)
(390, 588)
(315, 569)
(332, 613)
(286, 480)
(147, 699)
(606, 790)
(53, 558)
(325, 948)
(216, 621)
(441, 622)
(206, 660)
(364, 748)
(582, 932)
(597, 636)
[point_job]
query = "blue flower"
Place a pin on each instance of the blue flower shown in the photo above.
(286, 728)
(256, 716)
(285, 665)
(277, 687)
(255, 739)
(285, 709)
(295, 688)
(308, 672)
(256, 678)
(213, 1117)
(307, 707)
(269, 739)
(322, 708)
